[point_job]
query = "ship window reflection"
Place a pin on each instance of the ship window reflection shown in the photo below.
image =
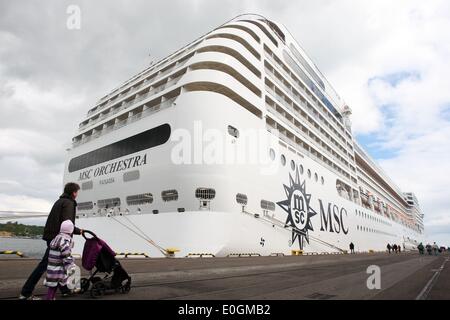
(142, 141)
(283, 160)
(272, 154)
(169, 195)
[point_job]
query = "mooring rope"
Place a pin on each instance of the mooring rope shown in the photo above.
(153, 243)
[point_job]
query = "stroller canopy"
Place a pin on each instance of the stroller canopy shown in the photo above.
(91, 251)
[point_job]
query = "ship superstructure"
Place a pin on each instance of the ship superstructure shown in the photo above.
(140, 180)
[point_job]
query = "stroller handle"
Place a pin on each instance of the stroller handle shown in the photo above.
(88, 232)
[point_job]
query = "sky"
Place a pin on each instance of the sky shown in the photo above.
(389, 60)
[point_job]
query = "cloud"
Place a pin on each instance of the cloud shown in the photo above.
(388, 60)
(23, 203)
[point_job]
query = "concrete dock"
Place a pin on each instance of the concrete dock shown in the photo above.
(402, 276)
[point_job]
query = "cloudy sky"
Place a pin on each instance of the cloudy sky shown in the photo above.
(389, 60)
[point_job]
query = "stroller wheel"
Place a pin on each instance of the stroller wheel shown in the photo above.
(84, 284)
(98, 289)
(126, 287)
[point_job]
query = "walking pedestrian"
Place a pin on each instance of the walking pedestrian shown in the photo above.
(352, 247)
(60, 261)
(63, 209)
(389, 248)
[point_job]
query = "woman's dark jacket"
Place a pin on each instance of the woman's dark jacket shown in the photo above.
(63, 209)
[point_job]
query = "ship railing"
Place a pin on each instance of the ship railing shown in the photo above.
(137, 99)
(133, 89)
(306, 93)
(311, 155)
(302, 133)
(298, 101)
(279, 82)
(275, 63)
(120, 124)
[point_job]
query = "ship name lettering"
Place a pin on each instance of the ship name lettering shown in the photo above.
(117, 166)
(332, 217)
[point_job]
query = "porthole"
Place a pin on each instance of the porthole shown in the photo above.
(322, 180)
(272, 154)
(283, 160)
(316, 177)
(292, 164)
(301, 169)
(309, 173)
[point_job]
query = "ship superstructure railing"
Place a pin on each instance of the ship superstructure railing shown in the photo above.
(304, 104)
(303, 134)
(145, 113)
(323, 110)
(344, 155)
(380, 171)
(133, 91)
(300, 148)
(138, 97)
(131, 84)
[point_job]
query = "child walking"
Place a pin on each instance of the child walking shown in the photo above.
(60, 260)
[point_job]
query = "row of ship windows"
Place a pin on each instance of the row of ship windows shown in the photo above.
(306, 111)
(167, 195)
(281, 66)
(296, 142)
(390, 197)
(368, 216)
(299, 127)
(293, 166)
(367, 229)
(143, 77)
(133, 97)
(235, 133)
(137, 93)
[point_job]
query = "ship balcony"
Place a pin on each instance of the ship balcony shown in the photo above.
(306, 92)
(136, 86)
(152, 91)
(119, 122)
(307, 107)
(296, 143)
(307, 134)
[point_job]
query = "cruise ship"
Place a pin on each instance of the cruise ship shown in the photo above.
(235, 144)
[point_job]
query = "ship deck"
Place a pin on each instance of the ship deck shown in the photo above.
(403, 276)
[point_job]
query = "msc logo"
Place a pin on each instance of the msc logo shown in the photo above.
(297, 206)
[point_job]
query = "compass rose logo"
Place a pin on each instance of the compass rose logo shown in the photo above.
(299, 212)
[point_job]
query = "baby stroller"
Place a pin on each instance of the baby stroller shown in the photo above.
(96, 253)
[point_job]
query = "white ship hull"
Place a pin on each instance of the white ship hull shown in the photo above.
(222, 234)
(305, 210)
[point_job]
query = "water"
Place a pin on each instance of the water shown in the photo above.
(31, 248)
